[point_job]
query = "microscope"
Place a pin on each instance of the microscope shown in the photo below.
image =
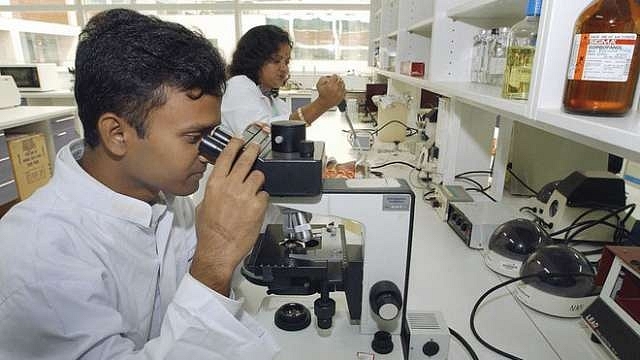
(298, 258)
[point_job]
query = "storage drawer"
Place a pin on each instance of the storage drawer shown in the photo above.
(62, 138)
(4, 151)
(8, 192)
(62, 123)
(6, 173)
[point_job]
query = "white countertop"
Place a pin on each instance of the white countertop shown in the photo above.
(446, 276)
(58, 93)
(22, 115)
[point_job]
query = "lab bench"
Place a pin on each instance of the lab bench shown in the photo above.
(445, 275)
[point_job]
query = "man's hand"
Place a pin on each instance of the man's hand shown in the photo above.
(331, 90)
(229, 217)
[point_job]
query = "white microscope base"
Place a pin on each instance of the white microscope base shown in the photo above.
(342, 341)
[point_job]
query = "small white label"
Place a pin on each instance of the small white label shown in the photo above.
(601, 56)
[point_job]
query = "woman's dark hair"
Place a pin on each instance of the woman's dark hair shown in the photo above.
(126, 61)
(256, 47)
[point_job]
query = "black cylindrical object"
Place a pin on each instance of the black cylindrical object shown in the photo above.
(382, 342)
(385, 299)
(292, 317)
(286, 135)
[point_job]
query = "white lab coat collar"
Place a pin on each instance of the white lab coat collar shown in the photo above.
(75, 183)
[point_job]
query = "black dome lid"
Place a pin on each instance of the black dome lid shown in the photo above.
(517, 239)
(559, 259)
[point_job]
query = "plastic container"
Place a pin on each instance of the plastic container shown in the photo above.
(392, 117)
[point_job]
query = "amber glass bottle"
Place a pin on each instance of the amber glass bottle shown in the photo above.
(603, 68)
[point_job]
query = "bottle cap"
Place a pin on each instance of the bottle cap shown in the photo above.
(534, 7)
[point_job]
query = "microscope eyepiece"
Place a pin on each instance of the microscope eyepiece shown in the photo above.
(212, 144)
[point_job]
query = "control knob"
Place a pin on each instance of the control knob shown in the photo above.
(430, 348)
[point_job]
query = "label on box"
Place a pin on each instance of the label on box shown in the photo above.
(30, 162)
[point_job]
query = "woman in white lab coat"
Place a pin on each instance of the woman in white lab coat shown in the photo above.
(260, 65)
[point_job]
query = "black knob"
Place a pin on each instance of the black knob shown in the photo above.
(306, 148)
(382, 343)
(292, 317)
(324, 308)
(430, 348)
(385, 299)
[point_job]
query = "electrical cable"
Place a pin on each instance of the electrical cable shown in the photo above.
(464, 343)
(592, 252)
(394, 163)
(476, 183)
(503, 284)
(417, 175)
(483, 193)
(584, 225)
(479, 172)
(395, 121)
(532, 211)
(520, 180)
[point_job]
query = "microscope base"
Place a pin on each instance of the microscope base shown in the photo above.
(342, 341)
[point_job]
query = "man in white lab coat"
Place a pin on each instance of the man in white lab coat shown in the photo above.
(110, 260)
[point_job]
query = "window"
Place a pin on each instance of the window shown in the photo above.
(329, 35)
(324, 41)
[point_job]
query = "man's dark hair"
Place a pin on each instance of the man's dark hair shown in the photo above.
(256, 47)
(126, 61)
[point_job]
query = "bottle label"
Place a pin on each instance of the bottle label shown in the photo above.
(601, 56)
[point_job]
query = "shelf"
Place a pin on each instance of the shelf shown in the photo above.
(423, 27)
(376, 39)
(393, 35)
(489, 13)
(483, 96)
(410, 80)
(596, 130)
(479, 95)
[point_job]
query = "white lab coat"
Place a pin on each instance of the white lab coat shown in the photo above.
(243, 103)
(87, 273)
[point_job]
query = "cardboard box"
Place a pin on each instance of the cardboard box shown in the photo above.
(30, 162)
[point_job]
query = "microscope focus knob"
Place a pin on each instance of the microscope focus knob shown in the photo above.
(385, 299)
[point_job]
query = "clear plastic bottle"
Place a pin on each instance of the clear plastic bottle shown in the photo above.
(497, 56)
(605, 59)
(522, 46)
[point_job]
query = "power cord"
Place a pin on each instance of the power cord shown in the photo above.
(411, 131)
(479, 188)
(394, 163)
(509, 166)
(581, 226)
(464, 343)
(541, 275)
